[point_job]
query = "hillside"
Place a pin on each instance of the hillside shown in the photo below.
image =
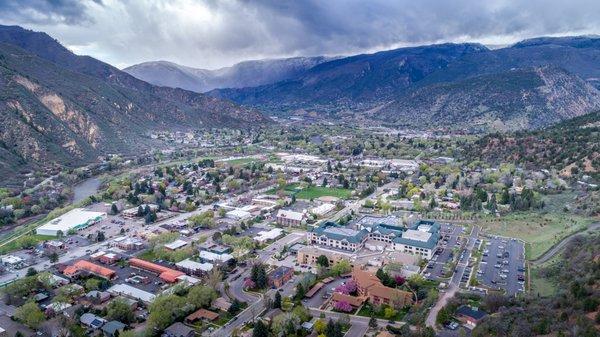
(570, 145)
(408, 85)
(360, 81)
(516, 99)
(58, 108)
(243, 74)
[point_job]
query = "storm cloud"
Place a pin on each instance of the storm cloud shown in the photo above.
(210, 33)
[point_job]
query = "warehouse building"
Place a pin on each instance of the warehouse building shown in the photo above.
(75, 219)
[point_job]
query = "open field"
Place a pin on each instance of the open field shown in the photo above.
(539, 230)
(313, 192)
(541, 286)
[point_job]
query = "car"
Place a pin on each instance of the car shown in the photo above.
(452, 325)
(505, 271)
(497, 266)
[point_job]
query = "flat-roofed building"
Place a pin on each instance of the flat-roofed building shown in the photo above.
(166, 274)
(76, 219)
(128, 291)
(194, 268)
(290, 218)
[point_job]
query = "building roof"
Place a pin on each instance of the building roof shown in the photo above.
(290, 215)
(268, 235)
(373, 286)
(314, 289)
(176, 244)
(279, 272)
(70, 220)
(468, 311)
(133, 292)
(210, 256)
(179, 329)
(89, 267)
(354, 301)
(193, 265)
(92, 320)
(112, 327)
(202, 314)
(323, 209)
(337, 232)
(165, 273)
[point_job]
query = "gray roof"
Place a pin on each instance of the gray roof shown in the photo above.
(337, 232)
(113, 326)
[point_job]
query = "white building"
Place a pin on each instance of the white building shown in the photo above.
(322, 209)
(176, 244)
(264, 236)
(193, 267)
(212, 257)
(75, 219)
(290, 218)
(131, 292)
(238, 214)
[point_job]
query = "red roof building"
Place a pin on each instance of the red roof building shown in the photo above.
(91, 268)
(166, 274)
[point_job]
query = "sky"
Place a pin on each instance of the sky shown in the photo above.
(211, 34)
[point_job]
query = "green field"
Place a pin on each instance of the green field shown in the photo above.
(313, 192)
(539, 230)
(242, 161)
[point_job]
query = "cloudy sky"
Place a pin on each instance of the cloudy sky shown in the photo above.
(212, 34)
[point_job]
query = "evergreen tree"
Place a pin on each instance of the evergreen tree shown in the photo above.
(260, 330)
(277, 301)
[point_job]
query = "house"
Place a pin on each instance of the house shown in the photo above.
(290, 218)
(177, 244)
(470, 316)
(202, 314)
(221, 304)
(178, 330)
(280, 276)
(369, 286)
(113, 328)
(91, 320)
(97, 297)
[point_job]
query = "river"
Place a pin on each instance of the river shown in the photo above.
(85, 188)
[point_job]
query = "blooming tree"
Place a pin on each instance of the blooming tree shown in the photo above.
(342, 306)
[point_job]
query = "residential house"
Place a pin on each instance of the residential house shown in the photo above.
(178, 330)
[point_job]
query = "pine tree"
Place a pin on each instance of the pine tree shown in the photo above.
(260, 330)
(277, 301)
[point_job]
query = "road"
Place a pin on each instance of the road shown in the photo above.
(562, 244)
(454, 285)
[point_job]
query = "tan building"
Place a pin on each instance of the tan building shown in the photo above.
(310, 254)
(370, 286)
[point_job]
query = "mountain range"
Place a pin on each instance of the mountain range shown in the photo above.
(60, 108)
(243, 74)
(531, 84)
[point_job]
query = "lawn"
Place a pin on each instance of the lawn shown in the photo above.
(313, 192)
(242, 161)
(539, 230)
(24, 241)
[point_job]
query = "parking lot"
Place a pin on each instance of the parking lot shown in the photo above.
(502, 264)
(450, 240)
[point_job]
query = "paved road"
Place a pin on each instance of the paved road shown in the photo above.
(454, 282)
(558, 247)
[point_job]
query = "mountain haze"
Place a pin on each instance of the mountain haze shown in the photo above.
(243, 74)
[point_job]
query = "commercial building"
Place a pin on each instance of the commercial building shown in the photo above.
(134, 293)
(290, 218)
(75, 219)
(470, 316)
(166, 274)
(194, 268)
(322, 209)
(83, 266)
(280, 276)
(214, 258)
(177, 244)
(310, 254)
(264, 236)
(333, 235)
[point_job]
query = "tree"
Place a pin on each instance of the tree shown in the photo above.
(258, 275)
(31, 271)
(201, 296)
(100, 237)
(342, 306)
(300, 291)
(323, 261)
(92, 284)
(276, 301)
(260, 330)
(341, 267)
(119, 310)
(30, 315)
(235, 307)
(114, 209)
(373, 322)
(165, 310)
